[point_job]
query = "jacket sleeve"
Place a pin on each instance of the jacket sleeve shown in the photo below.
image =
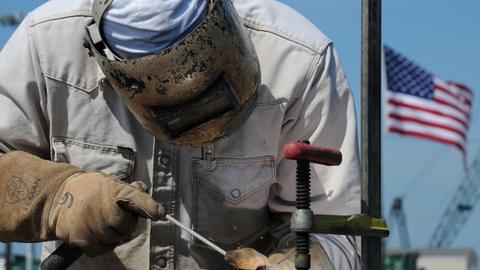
(23, 119)
(324, 114)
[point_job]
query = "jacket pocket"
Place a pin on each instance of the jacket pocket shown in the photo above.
(231, 196)
(116, 161)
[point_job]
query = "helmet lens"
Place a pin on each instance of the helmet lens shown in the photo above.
(220, 98)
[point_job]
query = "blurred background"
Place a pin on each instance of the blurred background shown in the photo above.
(429, 196)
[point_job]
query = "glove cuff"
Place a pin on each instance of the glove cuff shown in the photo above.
(29, 186)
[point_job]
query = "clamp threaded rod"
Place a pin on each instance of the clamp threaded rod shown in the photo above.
(302, 219)
(302, 260)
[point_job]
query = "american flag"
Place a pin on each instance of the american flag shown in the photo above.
(419, 104)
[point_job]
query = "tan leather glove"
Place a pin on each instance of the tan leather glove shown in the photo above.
(44, 201)
(250, 259)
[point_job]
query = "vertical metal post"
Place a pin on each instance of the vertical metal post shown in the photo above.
(29, 256)
(8, 256)
(371, 127)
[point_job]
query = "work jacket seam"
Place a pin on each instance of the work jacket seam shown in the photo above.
(319, 52)
(40, 76)
(272, 103)
(310, 74)
(222, 198)
(32, 31)
(61, 16)
(285, 35)
(95, 146)
(72, 84)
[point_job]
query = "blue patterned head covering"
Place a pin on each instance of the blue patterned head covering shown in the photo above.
(136, 28)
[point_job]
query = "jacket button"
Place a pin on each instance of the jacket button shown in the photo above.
(165, 160)
(162, 262)
(236, 193)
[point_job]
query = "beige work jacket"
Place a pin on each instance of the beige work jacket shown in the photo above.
(56, 104)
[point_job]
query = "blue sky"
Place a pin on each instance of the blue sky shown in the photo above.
(439, 35)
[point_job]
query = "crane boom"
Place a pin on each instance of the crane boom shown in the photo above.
(459, 208)
(397, 215)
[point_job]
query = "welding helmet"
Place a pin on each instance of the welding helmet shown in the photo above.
(196, 91)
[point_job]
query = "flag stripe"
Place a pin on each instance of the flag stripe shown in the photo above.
(426, 116)
(454, 88)
(444, 102)
(428, 123)
(465, 102)
(427, 136)
(434, 131)
(427, 106)
(420, 109)
(463, 87)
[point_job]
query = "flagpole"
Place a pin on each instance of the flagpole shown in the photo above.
(8, 256)
(371, 127)
(29, 256)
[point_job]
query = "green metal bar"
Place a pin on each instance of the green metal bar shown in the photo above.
(358, 225)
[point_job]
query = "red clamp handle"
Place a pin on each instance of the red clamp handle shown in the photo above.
(303, 151)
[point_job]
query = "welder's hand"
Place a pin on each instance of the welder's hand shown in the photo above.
(95, 212)
(250, 259)
(43, 201)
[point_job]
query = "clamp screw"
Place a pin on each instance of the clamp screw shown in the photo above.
(302, 260)
(302, 220)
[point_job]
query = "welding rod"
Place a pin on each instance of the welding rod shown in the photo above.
(203, 239)
(65, 255)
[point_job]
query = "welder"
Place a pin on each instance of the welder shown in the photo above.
(115, 113)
